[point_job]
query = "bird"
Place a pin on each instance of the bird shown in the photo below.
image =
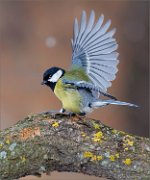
(83, 87)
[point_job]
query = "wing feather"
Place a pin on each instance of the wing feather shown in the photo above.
(76, 29)
(94, 50)
(82, 29)
(86, 85)
(89, 26)
(94, 41)
(93, 31)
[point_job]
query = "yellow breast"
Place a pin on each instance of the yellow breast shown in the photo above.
(70, 98)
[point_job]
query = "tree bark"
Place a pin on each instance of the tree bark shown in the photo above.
(46, 142)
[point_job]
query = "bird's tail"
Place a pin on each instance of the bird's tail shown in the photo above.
(102, 103)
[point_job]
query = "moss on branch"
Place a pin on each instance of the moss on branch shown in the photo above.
(43, 143)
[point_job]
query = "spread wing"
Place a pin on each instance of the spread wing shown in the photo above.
(94, 50)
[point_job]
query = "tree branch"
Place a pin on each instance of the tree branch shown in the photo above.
(43, 143)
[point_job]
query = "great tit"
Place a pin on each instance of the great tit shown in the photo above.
(94, 66)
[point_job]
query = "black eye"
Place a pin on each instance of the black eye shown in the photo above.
(50, 76)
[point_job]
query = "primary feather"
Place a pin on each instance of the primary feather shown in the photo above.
(94, 50)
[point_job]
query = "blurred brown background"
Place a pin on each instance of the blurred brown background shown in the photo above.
(35, 35)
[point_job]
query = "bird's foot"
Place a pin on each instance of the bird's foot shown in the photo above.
(62, 110)
(77, 117)
(54, 113)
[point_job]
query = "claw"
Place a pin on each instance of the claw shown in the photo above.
(77, 117)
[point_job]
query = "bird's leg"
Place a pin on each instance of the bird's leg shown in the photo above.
(53, 113)
(56, 112)
(61, 111)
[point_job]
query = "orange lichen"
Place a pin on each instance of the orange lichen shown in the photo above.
(27, 133)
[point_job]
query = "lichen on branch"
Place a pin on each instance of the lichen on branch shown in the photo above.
(45, 142)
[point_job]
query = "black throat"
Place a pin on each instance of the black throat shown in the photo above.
(52, 85)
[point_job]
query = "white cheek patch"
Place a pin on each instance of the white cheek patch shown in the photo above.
(56, 76)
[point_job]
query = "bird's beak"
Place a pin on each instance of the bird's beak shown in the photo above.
(43, 82)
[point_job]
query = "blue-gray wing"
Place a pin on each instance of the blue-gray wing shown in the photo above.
(94, 50)
(87, 85)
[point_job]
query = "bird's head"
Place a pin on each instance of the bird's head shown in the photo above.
(51, 76)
